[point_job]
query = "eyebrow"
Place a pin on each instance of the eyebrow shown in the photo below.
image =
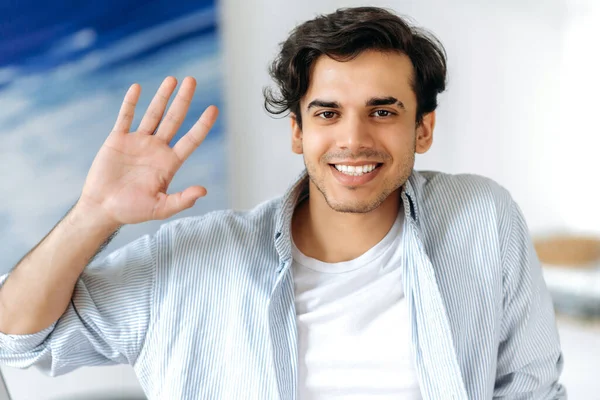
(384, 101)
(372, 102)
(323, 103)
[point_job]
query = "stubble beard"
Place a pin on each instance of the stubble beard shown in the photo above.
(388, 186)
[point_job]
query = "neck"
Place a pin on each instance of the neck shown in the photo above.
(330, 236)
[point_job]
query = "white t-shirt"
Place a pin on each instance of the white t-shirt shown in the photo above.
(353, 328)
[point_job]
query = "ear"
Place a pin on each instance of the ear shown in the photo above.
(296, 135)
(424, 133)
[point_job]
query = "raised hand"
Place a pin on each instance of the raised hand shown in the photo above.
(128, 180)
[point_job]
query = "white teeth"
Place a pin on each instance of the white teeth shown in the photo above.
(355, 170)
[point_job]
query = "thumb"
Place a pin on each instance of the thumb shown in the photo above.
(171, 204)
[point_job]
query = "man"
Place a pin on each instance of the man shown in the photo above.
(366, 280)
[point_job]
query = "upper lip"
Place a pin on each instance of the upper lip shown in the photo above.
(355, 163)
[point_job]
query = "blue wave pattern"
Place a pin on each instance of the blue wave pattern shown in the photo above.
(204, 309)
(38, 36)
(64, 68)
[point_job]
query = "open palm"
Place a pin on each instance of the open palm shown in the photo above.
(131, 173)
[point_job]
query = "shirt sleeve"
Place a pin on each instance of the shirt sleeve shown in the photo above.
(106, 320)
(530, 360)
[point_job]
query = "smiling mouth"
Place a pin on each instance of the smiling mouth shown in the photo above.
(356, 170)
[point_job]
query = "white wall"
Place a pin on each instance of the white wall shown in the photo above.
(521, 73)
(575, 155)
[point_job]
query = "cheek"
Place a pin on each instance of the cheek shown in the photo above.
(314, 145)
(401, 141)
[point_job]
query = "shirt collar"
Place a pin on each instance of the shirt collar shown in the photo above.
(298, 191)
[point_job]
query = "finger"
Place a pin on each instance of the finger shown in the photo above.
(171, 204)
(179, 108)
(191, 140)
(127, 111)
(157, 106)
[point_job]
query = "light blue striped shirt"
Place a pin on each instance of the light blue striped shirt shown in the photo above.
(204, 308)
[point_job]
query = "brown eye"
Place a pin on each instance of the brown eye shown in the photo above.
(327, 114)
(382, 113)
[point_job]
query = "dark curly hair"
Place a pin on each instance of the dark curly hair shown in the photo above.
(343, 35)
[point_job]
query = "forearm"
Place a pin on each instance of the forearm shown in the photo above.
(40, 287)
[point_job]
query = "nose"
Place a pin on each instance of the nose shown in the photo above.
(354, 134)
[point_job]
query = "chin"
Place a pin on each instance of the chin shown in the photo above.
(353, 205)
(351, 209)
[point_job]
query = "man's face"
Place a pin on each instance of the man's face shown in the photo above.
(359, 134)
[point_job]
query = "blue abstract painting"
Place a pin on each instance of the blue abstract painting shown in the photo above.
(64, 69)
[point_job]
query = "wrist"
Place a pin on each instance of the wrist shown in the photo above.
(92, 217)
